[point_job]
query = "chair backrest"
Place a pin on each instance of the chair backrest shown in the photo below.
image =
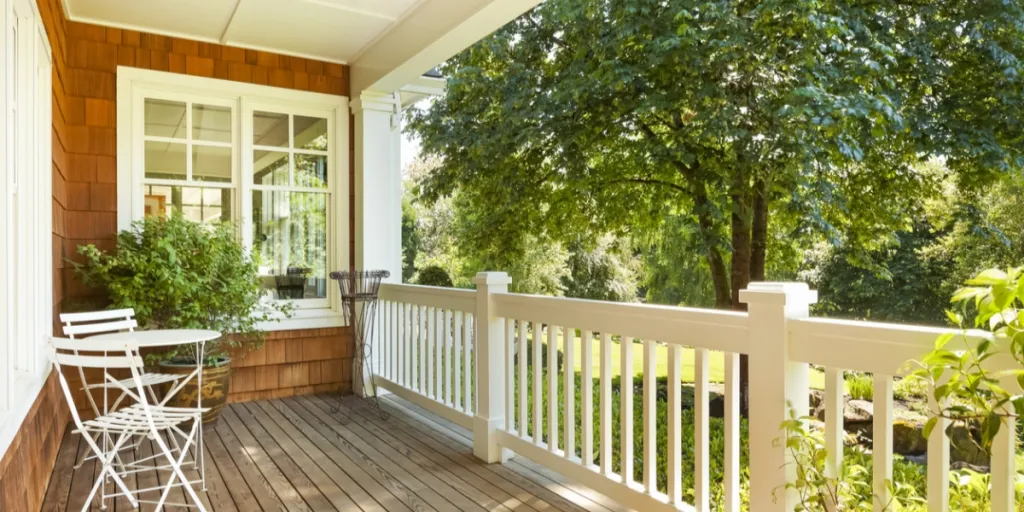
(77, 325)
(99, 354)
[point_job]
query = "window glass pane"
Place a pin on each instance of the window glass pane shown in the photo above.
(290, 236)
(211, 164)
(165, 160)
(270, 168)
(165, 118)
(195, 203)
(310, 133)
(311, 171)
(270, 129)
(211, 123)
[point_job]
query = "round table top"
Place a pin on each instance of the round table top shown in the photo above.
(163, 337)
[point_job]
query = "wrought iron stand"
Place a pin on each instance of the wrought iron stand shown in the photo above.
(359, 290)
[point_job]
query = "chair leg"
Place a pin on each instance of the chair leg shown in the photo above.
(176, 468)
(105, 469)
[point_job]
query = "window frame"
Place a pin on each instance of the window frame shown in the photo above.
(134, 85)
(26, 200)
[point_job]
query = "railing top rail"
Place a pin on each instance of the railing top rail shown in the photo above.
(703, 328)
(454, 299)
(876, 347)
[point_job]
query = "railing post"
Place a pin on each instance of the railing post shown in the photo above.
(489, 350)
(774, 380)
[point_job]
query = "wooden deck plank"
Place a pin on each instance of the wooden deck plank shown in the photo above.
(360, 484)
(59, 489)
(276, 465)
(258, 485)
(295, 454)
(313, 469)
(433, 490)
(380, 473)
(466, 482)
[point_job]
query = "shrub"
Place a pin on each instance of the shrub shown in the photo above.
(861, 387)
(433, 276)
(176, 273)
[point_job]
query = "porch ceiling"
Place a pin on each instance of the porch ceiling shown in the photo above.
(388, 43)
(333, 30)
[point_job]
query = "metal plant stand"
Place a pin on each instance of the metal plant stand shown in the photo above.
(359, 290)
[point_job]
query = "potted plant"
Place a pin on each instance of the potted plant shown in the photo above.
(180, 274)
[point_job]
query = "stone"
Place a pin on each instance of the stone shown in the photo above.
(908, 437)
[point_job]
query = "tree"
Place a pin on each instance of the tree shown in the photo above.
(592, 115)
(607, 270)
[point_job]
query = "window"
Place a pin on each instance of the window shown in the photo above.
(26, 247)
(272, 160)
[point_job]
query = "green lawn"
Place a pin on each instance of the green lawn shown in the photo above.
(717, 362)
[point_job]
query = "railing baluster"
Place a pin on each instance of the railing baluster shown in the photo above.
(569, 392)
(701, 430)
(938, 460)
(675, 469)
(469, 335)
(606, 404)
(552, 387)
(446, 330)
(393, 361)
(626, 410)
(431, 353)
(510, 389)
(457, 360)
(1003, 467)
(881, 449)
(380, 321)
(439, 348)
(650, 417)
(422, 349)
(732, 433)
(523, 351)
(587, 400)
(833, 425)
(538, 426)
(407, 345)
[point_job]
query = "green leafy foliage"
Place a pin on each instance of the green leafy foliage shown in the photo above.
(176, 273)
(433, 276)
(598, 116)
(860, 387)
(968, 390)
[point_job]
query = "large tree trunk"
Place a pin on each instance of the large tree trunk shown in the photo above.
(716, 262)
(740, 197)
(759, 238)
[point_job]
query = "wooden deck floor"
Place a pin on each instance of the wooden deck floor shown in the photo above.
(294, 454)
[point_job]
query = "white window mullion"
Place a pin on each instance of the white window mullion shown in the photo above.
(245, 135)
(188, 141)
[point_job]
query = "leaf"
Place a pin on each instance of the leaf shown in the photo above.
(929, 426)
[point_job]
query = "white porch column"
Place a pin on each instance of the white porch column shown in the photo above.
(378, 197)
(774, 380)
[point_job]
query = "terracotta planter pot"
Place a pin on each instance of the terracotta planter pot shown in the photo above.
(215, 387)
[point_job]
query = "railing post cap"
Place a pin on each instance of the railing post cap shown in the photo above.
(491, 278)
(778, 293)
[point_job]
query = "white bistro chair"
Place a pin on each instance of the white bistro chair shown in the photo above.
(136, 418)
(80, 325)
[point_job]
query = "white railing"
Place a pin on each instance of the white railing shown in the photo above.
(478, 359)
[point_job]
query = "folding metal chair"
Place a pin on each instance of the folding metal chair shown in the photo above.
(137, 418)
(79, 325)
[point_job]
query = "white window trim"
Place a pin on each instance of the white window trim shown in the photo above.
(129, 170)
(24, 365)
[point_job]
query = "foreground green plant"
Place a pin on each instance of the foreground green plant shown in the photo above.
(176, 273)
(969, 391)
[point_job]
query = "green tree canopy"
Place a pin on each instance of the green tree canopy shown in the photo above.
(746, 120)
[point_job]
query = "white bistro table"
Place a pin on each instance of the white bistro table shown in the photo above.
(196, 338)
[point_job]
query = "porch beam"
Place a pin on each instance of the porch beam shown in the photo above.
(433, 32)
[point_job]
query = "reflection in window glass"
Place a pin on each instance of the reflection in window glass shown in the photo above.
(210, 163)
(270, 168)
(290, 236)
(311, 171)
(310, 133)
(165, 160)
(270, 129)
(211, 123)
(165, 118)
(196, 204)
